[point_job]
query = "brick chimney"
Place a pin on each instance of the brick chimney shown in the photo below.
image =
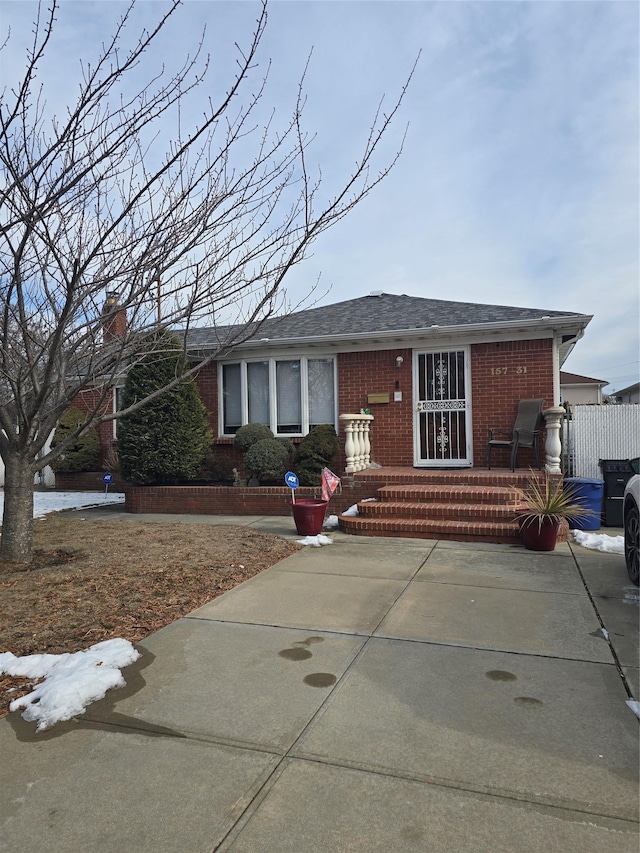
(114, 318)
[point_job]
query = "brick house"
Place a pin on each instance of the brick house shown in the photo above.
(435, 375)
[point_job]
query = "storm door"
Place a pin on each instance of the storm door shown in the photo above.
(442, 410)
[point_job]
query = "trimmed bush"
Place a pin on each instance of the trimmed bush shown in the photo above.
(249, 434)
(166, 441)
(267, 460)
(216, 468)
(290, 447)
(316, 451)
(84, 453)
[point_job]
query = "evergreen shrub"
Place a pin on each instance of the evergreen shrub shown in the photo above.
(267, 460)
(316, 451)
(249, 434)
(216, 468)
(84, 453)
(167, 440)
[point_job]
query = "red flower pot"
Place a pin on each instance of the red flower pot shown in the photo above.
(539, 534)
(308, 515)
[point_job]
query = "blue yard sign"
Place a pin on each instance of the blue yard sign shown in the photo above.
(292, 481)
(106, 479)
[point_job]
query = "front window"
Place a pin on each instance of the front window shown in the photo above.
(288, 395)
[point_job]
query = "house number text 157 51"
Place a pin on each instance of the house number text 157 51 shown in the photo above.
(502, 371)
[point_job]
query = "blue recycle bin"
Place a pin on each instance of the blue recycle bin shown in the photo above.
(590, 493)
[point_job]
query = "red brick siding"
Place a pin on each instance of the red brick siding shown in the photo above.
(363, 373)
(86, 401)
(495, 396)
(207, 382)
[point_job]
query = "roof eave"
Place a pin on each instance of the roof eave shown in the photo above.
(572, 324)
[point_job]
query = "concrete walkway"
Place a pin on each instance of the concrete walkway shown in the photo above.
(372, 695)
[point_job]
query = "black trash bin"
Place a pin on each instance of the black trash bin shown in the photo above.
(616, 474)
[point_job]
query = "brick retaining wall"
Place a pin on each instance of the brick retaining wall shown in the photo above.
(234, 500)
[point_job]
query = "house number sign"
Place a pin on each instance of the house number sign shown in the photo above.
(503, 371)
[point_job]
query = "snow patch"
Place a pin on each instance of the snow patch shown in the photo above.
(635, 707)
(353, 510)
(315, 541)
(599, 541)
(46, 502)
(71, 681)
(331, 523)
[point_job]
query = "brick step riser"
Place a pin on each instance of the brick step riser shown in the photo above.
(436, 494)
(519, 480)
(404, 509)
(415, 529)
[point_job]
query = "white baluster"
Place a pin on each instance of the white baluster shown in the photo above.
(357, 446)
(349, 447)
(357, 436)
(366, 459)
(553, 445)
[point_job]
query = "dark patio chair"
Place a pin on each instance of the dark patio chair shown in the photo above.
(525, 433)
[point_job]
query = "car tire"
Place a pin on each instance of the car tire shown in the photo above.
(631, 542)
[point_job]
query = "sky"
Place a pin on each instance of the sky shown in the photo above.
(518, 183)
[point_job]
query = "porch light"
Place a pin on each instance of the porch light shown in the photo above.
(399, 361)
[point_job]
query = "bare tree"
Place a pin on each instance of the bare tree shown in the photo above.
(98, 200)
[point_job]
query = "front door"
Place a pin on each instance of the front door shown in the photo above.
(442, 409)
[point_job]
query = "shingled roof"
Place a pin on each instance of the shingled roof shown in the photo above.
(380, 313)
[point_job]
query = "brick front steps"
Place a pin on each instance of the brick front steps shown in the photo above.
(463, 506)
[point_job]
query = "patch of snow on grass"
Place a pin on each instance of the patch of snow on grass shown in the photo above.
(71, 681)
(45, 502)
(599, 541)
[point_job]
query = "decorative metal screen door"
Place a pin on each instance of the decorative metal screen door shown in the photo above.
(442, 416)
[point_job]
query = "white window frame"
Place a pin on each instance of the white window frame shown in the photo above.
(115, 390)
(304, 362)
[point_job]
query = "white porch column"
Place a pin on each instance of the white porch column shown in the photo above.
(357, 445)
(553, 445)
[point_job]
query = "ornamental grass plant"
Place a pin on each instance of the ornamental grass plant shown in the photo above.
(549, 501)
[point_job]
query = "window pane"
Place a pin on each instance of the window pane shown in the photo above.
(258, 389)
(321, 392)
(288, 397)
(231, 398)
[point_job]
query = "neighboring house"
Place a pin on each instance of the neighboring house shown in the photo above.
(579, 390)
(435, 375)
(630, 394)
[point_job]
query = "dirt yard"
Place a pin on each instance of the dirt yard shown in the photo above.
(94, 580)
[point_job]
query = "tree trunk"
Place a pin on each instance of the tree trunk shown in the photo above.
(17, 522)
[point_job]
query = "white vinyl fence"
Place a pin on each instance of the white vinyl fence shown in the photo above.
(600, 432)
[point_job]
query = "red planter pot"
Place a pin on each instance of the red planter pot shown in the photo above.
(539, 535)
(308, 515)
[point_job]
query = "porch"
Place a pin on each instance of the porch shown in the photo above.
(472, 505)
(462, 504)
